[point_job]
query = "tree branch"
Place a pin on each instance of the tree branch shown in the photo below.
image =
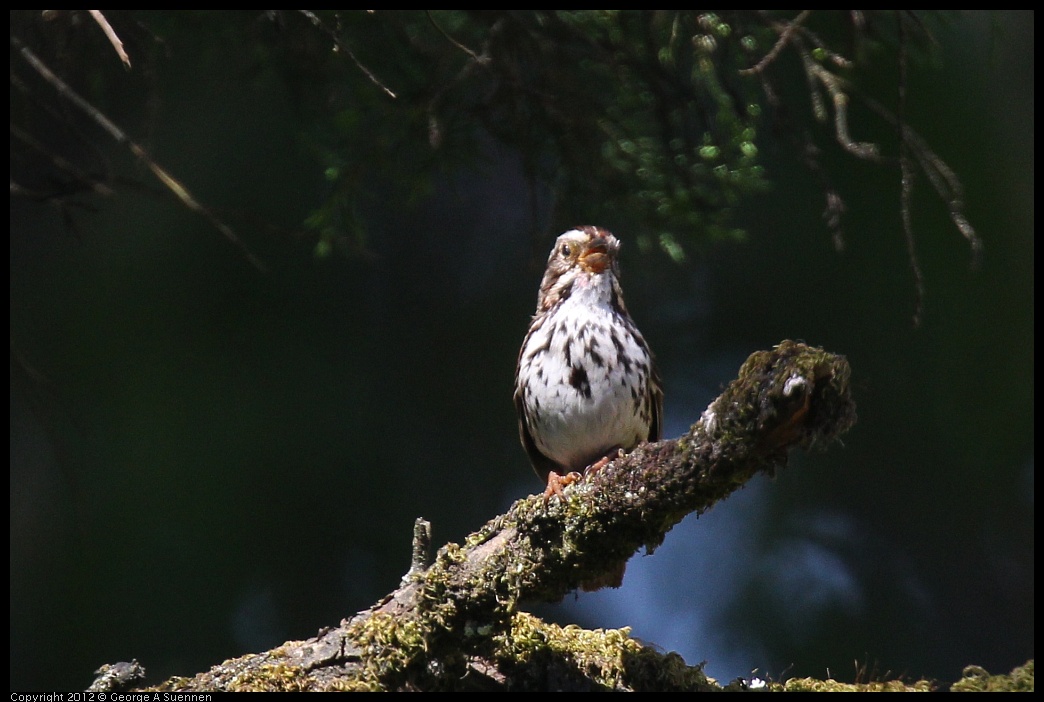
(456, 624)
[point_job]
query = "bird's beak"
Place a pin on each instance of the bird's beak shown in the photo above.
(596, 258)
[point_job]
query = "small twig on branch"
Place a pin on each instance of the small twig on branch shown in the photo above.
(421, 556)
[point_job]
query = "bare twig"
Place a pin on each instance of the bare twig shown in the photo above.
(947, 186)
(942, 178)
(180, 191)
(481, 59)
(834, 86)
(60, 163)
(111, 34)
(832, 214)
(435, 132)
(906, 180)
(944, 181)
(828, 53)
(912, 147)
(57, 112)
(339, 45)
(788, 29)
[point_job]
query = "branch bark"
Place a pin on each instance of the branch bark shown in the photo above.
(456, 624)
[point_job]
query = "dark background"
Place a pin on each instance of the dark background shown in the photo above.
(207, 460)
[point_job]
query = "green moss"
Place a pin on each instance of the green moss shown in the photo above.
(541, 656)
(390, 647)
(977, 679)
(270, 677)
(815, 685)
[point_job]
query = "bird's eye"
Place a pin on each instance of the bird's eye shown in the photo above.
(566, 250)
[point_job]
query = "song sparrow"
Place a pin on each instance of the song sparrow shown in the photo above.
(586, 385)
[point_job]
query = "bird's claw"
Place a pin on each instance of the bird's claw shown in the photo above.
(556, 482)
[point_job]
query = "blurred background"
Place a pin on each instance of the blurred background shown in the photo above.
(208, 458)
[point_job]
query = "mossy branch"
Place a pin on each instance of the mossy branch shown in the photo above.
(457, 624)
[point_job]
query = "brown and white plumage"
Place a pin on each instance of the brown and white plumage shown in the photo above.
(586, 384)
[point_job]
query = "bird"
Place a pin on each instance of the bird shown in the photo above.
(586, 383)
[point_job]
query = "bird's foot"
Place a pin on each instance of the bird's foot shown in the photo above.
(556, 482)
(615, 452)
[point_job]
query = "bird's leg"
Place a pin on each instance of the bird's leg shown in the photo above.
(556, 482)
(614, 452)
